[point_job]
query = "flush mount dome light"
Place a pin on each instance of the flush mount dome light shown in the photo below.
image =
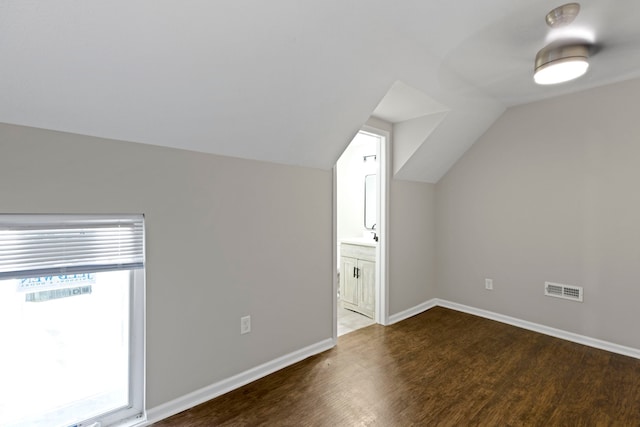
(557, 64)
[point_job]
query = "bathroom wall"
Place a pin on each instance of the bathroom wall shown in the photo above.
(351, 170)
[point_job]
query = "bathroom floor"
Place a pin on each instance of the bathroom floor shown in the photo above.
(349, 321)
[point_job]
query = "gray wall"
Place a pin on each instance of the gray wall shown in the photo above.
(412, 248)
(225, 238)
(549, 193)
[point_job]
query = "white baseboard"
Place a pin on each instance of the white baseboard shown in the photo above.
(395, 318)
(546, 330)
(214, 390)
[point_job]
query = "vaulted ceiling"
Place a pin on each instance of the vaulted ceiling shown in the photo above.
(292, 81)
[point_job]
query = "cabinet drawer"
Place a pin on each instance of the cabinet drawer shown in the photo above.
(358, 251)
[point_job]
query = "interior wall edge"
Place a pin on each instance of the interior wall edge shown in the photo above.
(410, 312)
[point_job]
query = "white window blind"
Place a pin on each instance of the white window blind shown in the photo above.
(41, 245)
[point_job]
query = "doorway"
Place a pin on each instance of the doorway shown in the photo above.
(360, 188)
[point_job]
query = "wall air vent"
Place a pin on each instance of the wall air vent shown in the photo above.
(559, 290)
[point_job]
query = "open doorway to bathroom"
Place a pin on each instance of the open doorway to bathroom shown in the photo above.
(360, 232)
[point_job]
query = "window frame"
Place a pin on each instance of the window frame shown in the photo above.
(134, 412)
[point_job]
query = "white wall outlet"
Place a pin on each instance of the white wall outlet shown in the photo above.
(488, 284)
(245, 325)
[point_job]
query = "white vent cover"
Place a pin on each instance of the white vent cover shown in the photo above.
(559, 290)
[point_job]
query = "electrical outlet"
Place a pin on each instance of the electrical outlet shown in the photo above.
(245, 325)
(488, 284)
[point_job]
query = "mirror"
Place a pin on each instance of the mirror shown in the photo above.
(370, 204)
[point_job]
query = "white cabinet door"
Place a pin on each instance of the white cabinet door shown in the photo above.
(358, 278)
(367, 291)
(349, 282)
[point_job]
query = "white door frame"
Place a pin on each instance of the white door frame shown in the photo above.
(382, 253)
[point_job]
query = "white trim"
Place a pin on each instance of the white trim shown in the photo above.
(381, 314)
(546, 330)
(382, 212)
(395, 318)
(214, 390)
(334, 254)
(524, 324)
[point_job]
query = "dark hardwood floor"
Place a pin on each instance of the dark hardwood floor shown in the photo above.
(441, 367)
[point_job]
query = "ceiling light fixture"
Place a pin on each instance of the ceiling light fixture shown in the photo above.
(562, 15)
(558, 64)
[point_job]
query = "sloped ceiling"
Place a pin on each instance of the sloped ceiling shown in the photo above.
(287, 81)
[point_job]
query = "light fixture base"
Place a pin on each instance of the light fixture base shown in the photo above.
(562, 15)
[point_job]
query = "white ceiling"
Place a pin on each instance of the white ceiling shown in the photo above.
(290, 81)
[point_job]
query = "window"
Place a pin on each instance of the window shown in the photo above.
(71, 320)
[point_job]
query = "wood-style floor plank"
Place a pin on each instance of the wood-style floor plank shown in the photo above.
(439, 368)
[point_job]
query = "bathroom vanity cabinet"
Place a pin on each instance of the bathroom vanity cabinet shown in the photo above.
(358, 277)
